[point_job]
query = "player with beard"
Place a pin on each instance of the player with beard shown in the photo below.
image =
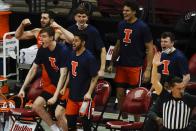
(52, 58)
(83, 76)
(47, 19)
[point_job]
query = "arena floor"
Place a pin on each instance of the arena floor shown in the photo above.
(101, 127)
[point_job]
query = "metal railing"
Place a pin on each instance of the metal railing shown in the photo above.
(37, 5)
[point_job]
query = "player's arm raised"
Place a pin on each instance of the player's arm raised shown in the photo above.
(24, 35)
(155, 78)
(63, 34)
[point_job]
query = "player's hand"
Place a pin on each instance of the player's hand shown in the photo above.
(101, 73)
(157, 59)
(52, 100)
(110, 69)
(149, 93)
(159, 122)
(21, 93)
(54, 25)
(26, 22)
(62, 91)
(146, 76)
(87, 97)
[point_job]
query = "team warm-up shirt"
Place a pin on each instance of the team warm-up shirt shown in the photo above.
(82, 68)
(132, 42)
(94, 42)
(175, 112)
(52, 61)
(174, 64)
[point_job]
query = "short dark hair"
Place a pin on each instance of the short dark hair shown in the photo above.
(133, 4)
(82, 35)
(168, 34)
(174, 80)
(81, 10)
(51, 14)
(49, 30)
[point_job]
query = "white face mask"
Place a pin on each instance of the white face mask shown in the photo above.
(169, 50)
(81, 27)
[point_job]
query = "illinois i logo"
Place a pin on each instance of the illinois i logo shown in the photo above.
(52, 63)
(127, 38)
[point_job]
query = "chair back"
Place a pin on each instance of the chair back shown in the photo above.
(137, 101)
(102, 93)
(192, 64)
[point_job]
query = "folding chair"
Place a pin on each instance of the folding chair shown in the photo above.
(4, 89)
(136, 102)
(24, 119)
(192, 64)
(6, 104)
(101, 98)
(191, 86)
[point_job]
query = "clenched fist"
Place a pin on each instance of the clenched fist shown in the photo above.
(26, 22)
(55, 25)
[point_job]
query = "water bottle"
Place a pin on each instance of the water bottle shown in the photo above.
(84, 108)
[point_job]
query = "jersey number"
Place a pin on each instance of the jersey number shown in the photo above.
(128, 33)
(165, 70)
(74, 65)
(52, 63)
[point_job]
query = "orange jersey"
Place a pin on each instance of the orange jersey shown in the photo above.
(39, 40)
